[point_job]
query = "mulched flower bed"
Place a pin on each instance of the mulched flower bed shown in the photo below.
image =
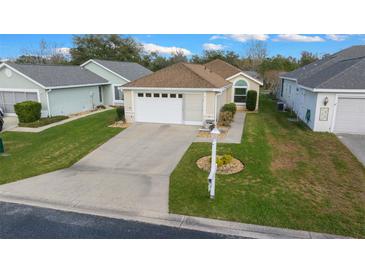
(233, 167)
(120, 124)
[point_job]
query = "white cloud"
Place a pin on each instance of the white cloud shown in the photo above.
(336, 37)
(241, 37)
(246, 37)
(215, 37)
(210, 46)
(298, 38)
(63, 51)
(150, 47)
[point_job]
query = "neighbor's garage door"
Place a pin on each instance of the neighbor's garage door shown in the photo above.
(350, 116)
(159, 108)
(9, 98)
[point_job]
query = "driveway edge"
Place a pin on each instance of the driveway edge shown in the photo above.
(181, 221)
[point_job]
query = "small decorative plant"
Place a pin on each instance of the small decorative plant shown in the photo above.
(225, 118)
(231, 107)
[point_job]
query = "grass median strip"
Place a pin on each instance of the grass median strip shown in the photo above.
(293, 178)
(32, 154)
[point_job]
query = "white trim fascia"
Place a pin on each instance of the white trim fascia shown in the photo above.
(332, 127)
(19, 89)
(339, 90)
(306, 88)
(246, 75)
(22, 74)
(48, 104)
(204, 104)
(78, 86)
(100, 65)
(174, 89)
(288, 78)
(215, 108)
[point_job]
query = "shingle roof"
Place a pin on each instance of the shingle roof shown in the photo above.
(181, 75)
(58, 75)
(222, 68)
(130, 71)
(342, 70)
(253, 74)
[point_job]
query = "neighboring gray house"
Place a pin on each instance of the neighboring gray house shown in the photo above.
(64, 89)
(118, 74)
(329, 94)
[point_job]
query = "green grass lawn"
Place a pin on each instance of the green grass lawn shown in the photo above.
(59, 147)
(294, 178)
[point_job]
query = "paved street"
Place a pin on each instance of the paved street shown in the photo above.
(24, 222)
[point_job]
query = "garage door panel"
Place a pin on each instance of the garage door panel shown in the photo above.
(9, 98)
(350, 116)
(158, 110)
(193, 107)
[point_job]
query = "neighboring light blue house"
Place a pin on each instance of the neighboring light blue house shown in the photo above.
(64, 89)
(118, 74)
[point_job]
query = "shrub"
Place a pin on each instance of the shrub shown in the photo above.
(120, 113)
(28, 111)
(231, 107)
(251, 100)
(224, 160)
(225, 118)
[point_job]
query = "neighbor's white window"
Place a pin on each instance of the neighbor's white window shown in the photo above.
(118, 94)
(240, 91)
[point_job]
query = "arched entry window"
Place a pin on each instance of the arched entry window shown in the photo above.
(240, 91)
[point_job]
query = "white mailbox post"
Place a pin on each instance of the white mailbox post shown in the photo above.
(213, 167)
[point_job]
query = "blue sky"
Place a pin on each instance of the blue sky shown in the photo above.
(289, 44)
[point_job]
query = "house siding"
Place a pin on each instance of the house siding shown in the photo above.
(300, 100)
(251, 85)
(17, 81)
(67, 101)
(112, 78)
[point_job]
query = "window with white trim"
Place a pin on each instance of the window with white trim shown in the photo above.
(240, 91)
(118, 94)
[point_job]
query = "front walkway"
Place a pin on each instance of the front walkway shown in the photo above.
(10, 123)
(16, 128)
(234, 135)
(130, 173)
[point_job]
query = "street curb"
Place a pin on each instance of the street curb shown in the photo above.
(181, 221)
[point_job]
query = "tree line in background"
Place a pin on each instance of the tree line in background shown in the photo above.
(118, 48)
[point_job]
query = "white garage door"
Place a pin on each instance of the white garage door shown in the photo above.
(9, 98)
(350, 116)
(159, 108)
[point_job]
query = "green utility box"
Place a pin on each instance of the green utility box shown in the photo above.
(2, 150)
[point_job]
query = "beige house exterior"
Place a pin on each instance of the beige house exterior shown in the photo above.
(186, 93)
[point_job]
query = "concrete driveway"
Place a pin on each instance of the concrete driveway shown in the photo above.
(10, 122)
(130, 172)
(355, 143)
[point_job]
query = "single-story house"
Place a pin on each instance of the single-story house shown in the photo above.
(186, 93)
(118, 74)
(65, 89)
(329, 94)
